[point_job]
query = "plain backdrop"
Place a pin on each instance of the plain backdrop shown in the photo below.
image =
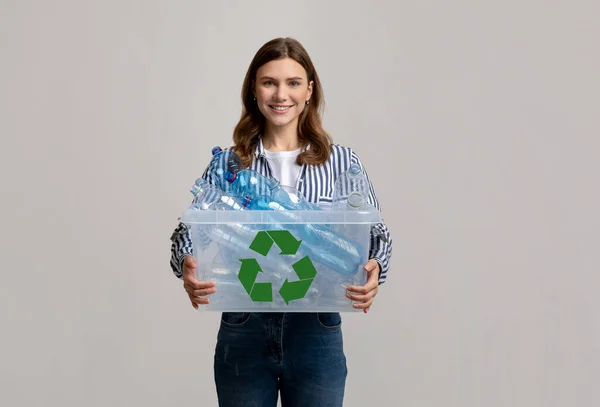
(478, 123)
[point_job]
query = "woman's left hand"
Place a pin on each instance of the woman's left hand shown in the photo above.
(365, 294)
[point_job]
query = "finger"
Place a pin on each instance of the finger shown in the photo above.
(193, 284)
(198, 285)
(363, 305)
(360, 289)
(203, 292)
(372, 278)
(194, 304)
(361, 298)
(199, 300)
(363, 289)
(367, 309)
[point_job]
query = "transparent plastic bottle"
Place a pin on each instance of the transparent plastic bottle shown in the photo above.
(351, 190)
(248, 182)
(319, 242)
(205, 194)
(232, 239)
(281, 198)
(233, 162)
(292, 199)
(222, 162)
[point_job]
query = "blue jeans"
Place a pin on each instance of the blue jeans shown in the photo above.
(300, 355)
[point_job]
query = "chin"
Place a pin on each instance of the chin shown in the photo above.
(281, 123)
(278, 120)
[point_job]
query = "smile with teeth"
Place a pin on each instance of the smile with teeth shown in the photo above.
(279, 108)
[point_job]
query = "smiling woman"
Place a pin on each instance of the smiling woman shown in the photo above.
(280, 135)
(283, 97)
(282, 92)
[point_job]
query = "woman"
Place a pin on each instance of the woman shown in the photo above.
(280, 135)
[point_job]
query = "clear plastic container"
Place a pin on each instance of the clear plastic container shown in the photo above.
(281, 261)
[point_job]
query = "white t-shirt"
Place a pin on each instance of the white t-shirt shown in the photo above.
(284, 167)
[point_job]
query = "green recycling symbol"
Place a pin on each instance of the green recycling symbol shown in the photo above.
(290, 290)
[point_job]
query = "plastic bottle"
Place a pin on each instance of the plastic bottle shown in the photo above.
(281, 198)
(320, 243)
(351, 190)
(248, 182)
(205, 194)
(233, 162)
(232, 239)
(221, 162)
(291, 199)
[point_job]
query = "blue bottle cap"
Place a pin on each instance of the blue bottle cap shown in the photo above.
(216, 150)
(230, 176)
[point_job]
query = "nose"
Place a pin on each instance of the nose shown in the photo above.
(280, 95)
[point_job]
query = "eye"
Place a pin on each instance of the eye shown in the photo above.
(295, 83)
(268, 83)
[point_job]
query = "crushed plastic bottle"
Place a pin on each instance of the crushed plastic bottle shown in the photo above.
(205, 194)
(232, 239)
(250, 183)
(319, 242)
(222, 162)
(291, 199)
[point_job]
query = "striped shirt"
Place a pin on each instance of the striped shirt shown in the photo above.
(316, 184)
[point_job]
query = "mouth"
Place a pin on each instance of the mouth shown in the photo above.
(280, 109)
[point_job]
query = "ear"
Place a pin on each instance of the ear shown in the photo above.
(310, 89)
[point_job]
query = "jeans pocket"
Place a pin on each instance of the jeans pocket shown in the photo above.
(329, 320)
(235, 319)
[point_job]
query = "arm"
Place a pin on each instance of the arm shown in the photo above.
(380, 248)
(181, 245)
(181, 241)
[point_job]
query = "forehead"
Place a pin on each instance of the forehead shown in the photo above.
(281, 69)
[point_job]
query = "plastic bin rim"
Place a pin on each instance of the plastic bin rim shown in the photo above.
(191, 216)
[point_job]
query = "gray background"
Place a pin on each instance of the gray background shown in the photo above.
(477, 122)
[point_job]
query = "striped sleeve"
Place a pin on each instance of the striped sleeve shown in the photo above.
(181, 245)
(181, 241)
(381, 241)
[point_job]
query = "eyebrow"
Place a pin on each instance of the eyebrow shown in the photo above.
(289, 79)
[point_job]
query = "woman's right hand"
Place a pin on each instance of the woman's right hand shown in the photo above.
(195, 289)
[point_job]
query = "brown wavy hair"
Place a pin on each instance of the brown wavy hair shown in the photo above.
(252, 122)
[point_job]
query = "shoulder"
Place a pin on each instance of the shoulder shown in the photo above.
(343, 154)
(339, 151)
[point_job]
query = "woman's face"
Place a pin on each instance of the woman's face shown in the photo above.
(281, 90)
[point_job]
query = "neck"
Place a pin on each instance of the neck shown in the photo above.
(281, 138)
